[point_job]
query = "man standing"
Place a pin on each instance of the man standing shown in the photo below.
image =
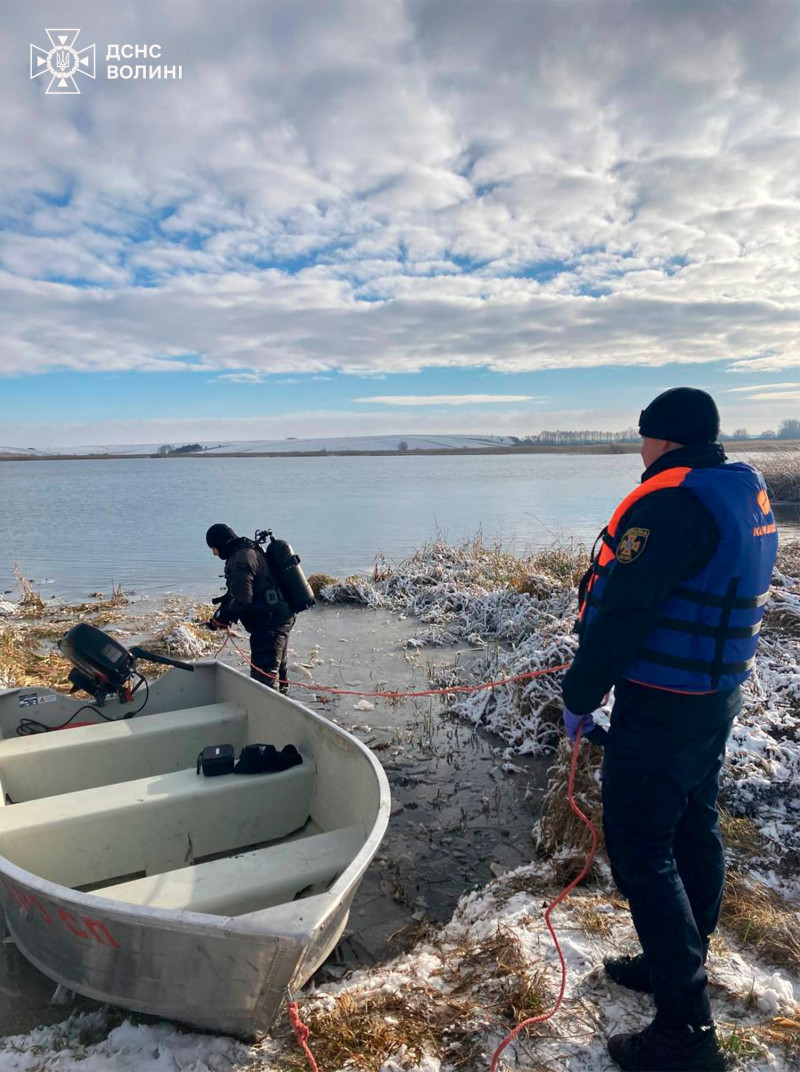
(670, 612)
(253, 597)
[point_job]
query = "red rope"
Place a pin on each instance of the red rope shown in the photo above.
(397, 695)
(301, 1031)
(564, 894)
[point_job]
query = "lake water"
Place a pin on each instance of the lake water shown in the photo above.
(77, 526)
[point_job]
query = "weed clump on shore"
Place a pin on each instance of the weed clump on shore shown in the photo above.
(23, 662)
(30, 630)
(318, 581)
(469, 986)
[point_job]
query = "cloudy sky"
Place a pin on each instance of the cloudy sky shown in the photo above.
(352, 218)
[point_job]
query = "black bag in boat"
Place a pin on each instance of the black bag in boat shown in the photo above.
(216, 759)
(266, 759)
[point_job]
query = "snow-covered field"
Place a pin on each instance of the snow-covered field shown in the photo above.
(446, 1005)
(286, 446)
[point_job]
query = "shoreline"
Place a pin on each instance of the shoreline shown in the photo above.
(469, 977)
(739, 446)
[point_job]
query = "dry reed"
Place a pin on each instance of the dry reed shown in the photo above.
(760, 918)
(782, 475)
(362, 1031)
(788, 561)
(23, 664)
(486, 984)
(742, 835)
(561, 834)
(28, 598)
(318, 581)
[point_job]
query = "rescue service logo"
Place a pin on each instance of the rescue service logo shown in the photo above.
(631, 544)
(62, 61)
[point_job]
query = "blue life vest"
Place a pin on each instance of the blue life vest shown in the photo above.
(706, 638)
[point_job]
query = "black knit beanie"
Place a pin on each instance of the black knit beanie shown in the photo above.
(220, 536)
(683, 415)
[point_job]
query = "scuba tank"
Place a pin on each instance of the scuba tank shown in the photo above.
(289, 577)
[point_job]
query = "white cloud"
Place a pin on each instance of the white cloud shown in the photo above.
(775, 396)
(444, 400)
(382, 187)
(793, 384)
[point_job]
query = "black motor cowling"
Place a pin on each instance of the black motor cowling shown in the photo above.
(102, 666)
(285, 567)
(99, 660)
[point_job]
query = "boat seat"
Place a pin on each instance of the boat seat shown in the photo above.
(154, 824)
(47, 764)
(246, 883)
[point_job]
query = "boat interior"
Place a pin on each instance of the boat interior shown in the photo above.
(117, 808)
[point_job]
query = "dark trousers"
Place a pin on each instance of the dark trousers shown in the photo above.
(660, 787)
(268, 653)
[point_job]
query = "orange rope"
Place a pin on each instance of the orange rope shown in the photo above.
(301, 1030)
(396, 695)
(564, 894)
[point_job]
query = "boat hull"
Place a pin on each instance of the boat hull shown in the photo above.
(219, 973)
(230, 979)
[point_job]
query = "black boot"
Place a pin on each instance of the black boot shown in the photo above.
(665, 1048)
(630, 972)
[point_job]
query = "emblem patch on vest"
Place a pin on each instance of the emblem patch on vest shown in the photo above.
(631, 544)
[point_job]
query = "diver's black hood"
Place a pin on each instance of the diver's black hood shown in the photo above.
(222, 537)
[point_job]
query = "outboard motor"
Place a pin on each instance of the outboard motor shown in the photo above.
(289, 577)
(102, 666)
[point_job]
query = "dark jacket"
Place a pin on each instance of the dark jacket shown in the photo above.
(682, 538)
(253, 597)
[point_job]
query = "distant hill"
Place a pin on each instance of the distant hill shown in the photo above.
(284, 446)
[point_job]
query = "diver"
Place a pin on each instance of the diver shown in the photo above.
(254, 599)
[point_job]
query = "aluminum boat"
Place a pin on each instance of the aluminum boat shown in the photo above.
(129, 878)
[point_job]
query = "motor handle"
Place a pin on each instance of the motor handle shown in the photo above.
(140, 653)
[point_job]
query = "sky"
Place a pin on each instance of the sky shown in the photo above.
(397, 217)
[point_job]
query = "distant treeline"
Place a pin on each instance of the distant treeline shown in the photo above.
(568, 437)
(789, 429)
(187, 448)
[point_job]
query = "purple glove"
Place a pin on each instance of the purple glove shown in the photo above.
(571, 723)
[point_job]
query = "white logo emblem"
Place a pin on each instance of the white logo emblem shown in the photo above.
(62, 61)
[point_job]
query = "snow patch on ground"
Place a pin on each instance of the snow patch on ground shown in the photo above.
(89, 1042)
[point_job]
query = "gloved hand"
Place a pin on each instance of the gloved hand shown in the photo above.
(572, 722)
(215, 623)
